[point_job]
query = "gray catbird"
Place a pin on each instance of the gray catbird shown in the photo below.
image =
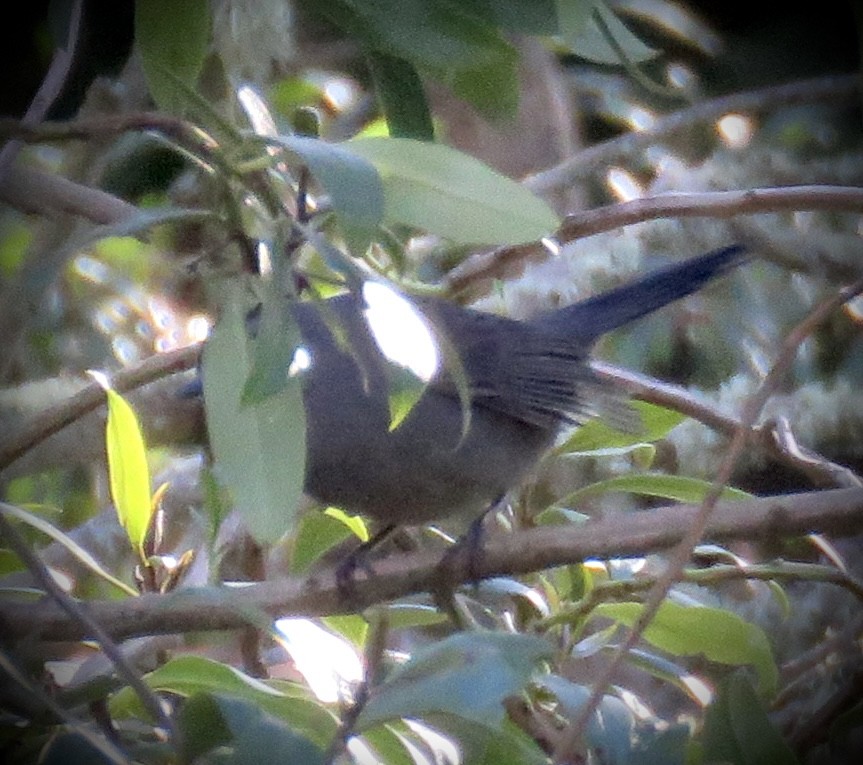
(526, 380)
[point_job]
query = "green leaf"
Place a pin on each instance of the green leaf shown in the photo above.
(273, 351)
(317, 533)
(408, 340)
(719, 635)
(251, 736)
(172, 39)
(440, 38)
(589, 41)
(614, 733)
(128, 471)
(389, 745)
(480, 745)
(533, 17)
(352, 627)
(609, 729)
(405, 389)
(402, 97)
(259, 449)
(596, 435)
(573, 18)
(446, 192)
(351, 180)
(660, 667)
(290, 93)
(15, 240)
(673, 487)
(74, 549)
(413, 615)
(188, 675)
(467, 675)
(737, 729)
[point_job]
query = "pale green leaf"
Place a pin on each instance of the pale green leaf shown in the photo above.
(453, 195)
(718, 635)
(259, 448)
(317, 533)
(239, 727)
(467, 675)
(74, 549)
(188, 675)
(413, 615)
(354, 523)
(172, 39)
(351, 180)
(590, 42)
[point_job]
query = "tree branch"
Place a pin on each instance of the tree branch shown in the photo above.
(35, 191)
(711, 204)
(840, 88)
(616, 535)
(75, 610)
(695, 530)
(52, 84)
(501, 261)
(774, 437)
(52, 420)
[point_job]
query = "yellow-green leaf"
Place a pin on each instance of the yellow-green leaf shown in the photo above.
(598, 436)
(719, 635)
(127, 467)
(677, 488)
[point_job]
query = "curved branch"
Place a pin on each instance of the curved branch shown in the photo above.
(35, 191)
(774, 437)
(52, 84)
(711, 204)
(696, 529)
(75, 610)
(622, 534)
(831, 88)
(52, 420)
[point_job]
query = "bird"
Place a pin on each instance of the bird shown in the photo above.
(525, 380)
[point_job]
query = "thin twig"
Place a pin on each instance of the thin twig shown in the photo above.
(713, 575)
(709, 204)
(98, 127)
(373, 659)
(695, 532)
(580, 165)
(104, 746)
(774, 437)
(818, 727)
(90, 626)
(847, 637)
(52, 420)
(35, 191)
(50, 88)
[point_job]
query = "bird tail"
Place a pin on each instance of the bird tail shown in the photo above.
(591, 318)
